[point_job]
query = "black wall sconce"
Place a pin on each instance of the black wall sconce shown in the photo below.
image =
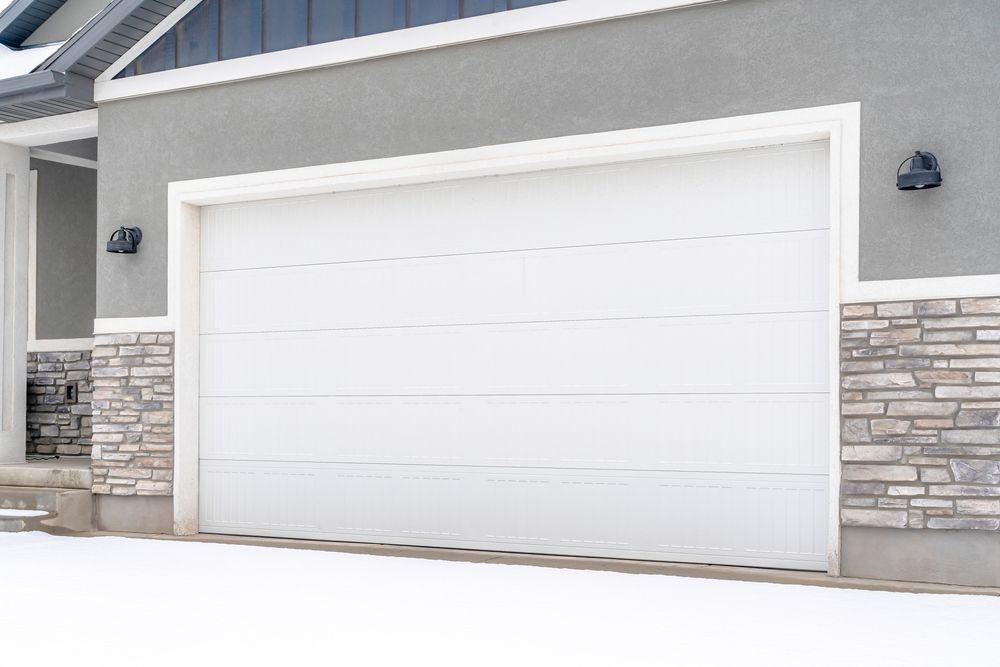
(923, 172)
(125, 240)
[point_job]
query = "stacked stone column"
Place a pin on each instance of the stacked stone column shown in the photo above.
(920, 409)
(133, 417)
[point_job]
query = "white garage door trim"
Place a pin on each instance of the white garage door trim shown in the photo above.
(839, 124)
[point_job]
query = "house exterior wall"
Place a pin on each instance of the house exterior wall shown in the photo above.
(908, 477)
(66, 260)
(922, 69)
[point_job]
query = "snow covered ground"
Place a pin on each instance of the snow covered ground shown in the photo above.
(115, 601)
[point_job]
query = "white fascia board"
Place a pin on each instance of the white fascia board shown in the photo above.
(51, 129)
(421, 38)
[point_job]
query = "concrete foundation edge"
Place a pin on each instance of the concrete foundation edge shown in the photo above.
(134, 514)
(959, 557)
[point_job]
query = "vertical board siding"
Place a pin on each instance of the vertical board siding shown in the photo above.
(225, 29)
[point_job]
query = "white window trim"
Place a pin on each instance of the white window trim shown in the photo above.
(838, 124)
(47, 344)
(460, 31)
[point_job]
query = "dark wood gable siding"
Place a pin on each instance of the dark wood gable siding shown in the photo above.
(225, 29)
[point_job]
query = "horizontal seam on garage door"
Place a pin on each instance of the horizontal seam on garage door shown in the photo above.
(640, 393)
(608, 471)
(513, 250)
(514, 322)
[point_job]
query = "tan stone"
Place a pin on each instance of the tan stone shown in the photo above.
(862, 408)
(889, 427)
(944, 377)
(878, 381)
(859, 310)
(975, 306)
(921, 409)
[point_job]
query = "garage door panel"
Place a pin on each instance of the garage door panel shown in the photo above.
(680, 433)
(628, 360)
(718, 195)
(778, 353)
(682, 516)
(776, 273)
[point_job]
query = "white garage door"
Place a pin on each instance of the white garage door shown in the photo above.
(625, 361)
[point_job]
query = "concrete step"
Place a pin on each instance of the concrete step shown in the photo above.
(62, 473)
(59, 511)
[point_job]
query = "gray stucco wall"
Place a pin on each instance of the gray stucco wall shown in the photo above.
(925, 71)
(67, 229)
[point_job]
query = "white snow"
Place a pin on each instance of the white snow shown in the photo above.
(20, 514)
(117, 601)
(15, 62)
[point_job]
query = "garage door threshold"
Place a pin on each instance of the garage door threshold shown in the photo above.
(721, 572)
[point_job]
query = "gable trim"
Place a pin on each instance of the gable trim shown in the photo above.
(356, 49)
(22, 17)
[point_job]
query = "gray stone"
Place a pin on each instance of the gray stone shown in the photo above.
(961, 323)
(950, 350)
(863, 325)
(855, 430)
(948, 336)
(880, 473)
(990, 362)
(981, 436)
(980, 418)
(988, 334)
(905, 364)
(871, 453)
(904, 309)
(967, 392)
(874, 518)
(935, 475)
(901, 490)
(978, 507)
(964, 524)
(977, 471)
(862, 488)
(965, 490)
(922, 394)
(940, 307)
(935, 503)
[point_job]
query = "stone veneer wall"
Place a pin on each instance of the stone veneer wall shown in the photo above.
(55, 424)
(133, 415)
(920, 409)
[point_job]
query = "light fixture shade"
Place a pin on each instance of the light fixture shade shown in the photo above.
(922, 173)
(125, 240)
